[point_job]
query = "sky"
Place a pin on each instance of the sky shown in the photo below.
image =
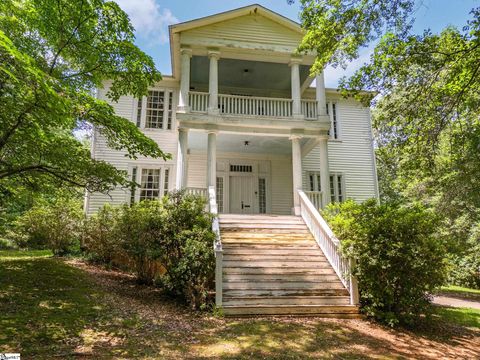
(152, 17)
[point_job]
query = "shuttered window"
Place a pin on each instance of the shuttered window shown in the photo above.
(155, 111)
(219, 194)
(337, 188)
(334, 127)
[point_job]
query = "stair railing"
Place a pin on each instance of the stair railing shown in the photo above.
(217, 246)
(330, 245)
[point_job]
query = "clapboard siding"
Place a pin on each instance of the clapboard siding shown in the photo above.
(352, 155)
(252, 31)
(167, 140)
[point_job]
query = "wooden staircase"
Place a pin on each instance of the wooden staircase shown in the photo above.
(272, 265)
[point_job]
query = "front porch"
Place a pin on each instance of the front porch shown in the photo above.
(251, 174)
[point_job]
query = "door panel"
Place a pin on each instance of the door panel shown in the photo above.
(242, 195)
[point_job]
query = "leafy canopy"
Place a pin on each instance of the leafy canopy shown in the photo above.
(53, 54)
(336, 29)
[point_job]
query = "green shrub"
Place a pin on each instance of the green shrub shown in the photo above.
(100, 238)
(54, 226)
(187, 244)
(174, 232)
(399, 259)
(465, 268)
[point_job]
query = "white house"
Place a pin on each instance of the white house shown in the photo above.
(239, 117)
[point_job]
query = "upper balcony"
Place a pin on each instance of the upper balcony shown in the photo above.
(257, 106)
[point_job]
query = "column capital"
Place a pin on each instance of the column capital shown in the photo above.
(213, 53)
(186, 51)
(295, 137)
(295, 60)
(183, 129)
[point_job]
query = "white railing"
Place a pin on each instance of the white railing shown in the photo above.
(329, 244)
(254, 106)
(197, 191)
(309, 109)
(316, 198)
(217, 246)
(198, 101)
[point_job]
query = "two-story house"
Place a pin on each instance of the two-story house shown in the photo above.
(240, 117)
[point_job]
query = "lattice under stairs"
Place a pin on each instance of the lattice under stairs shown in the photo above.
(273, 265)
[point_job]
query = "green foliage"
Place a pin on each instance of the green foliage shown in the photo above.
(400, 260)
(175, 232)
(50, 226)
(99, 235)
(53, 54)
(466, 268)
(336, 29)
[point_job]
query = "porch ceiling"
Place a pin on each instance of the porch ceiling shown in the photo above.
(245, 74)
(236, 143)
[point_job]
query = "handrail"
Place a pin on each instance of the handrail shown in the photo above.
(198, 101)
(197, 191)
(316, 198)
(309, 109)
(329, 244)
(217, 246)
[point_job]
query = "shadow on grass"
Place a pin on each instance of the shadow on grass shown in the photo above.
(50, 308)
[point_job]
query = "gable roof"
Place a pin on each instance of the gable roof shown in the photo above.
(231, 14)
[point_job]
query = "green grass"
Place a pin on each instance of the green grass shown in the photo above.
(50, 308)
(460, 292)
(459, 316)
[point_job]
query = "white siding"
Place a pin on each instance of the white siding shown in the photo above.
(252, 31)
(352, 155)
(167, 140)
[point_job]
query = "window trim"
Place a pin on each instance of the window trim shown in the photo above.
(138, 179)
(337, 121)
(166, 110)
(335, 196)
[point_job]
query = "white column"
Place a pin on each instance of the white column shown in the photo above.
(295, 72)
(212, 159)
(213, 55)
(320, 95)
(296, 172)
(182, 158)
(183, 101)
(324, 170)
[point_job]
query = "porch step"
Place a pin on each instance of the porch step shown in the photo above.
(272, 265)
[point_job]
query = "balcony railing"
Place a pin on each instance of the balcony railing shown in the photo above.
(252, 105)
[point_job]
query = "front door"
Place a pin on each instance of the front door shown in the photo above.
(242, 194)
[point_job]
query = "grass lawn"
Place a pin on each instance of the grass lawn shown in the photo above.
(54, 308)
(460, 292)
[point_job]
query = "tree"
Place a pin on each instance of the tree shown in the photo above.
(336, 29)
(53, 55)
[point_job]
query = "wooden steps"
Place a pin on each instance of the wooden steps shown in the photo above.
(273, 266)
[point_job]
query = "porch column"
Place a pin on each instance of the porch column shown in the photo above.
(212, 159)
(183, 101)
(182, 161)
(320, 95)
(324, 170)
(213, 55)
(296, 172)
(296, 93)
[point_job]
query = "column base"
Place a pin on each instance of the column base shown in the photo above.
(183, 109)
(213, 111)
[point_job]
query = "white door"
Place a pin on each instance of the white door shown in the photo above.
(242, 194)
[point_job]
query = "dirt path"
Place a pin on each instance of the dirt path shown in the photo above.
(166, 330)
(456, 302)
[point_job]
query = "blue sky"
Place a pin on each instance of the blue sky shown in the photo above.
(152, 17)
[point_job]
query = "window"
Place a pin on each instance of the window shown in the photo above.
(139, 112)
(337, 191)
(262, 196)
(154, 182)
(150, 184)
(155, 111)
(241, 168)
(219, 194)
(314, 183)
(165, 182)
(132, 190)
(332, 111)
